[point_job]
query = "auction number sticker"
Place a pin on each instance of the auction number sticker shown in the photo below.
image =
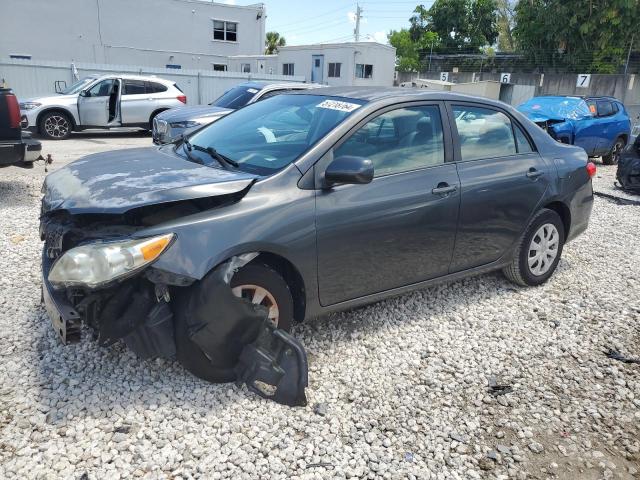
(338, 105)
(252, 90)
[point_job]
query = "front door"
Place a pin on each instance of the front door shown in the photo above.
(400, 228)
(317, 68)
(93, 104)
(503, 181)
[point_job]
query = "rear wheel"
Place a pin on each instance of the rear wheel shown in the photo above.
(539, 251)
(614, 155)
(55, 126)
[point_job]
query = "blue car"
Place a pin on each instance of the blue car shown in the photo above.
(600, 125)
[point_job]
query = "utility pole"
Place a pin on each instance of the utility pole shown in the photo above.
(626, 65)
(430, 55)
(358, 15)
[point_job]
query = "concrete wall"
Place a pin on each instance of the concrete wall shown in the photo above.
(525, 86)
(32, 79)
(131, 32)
(382, 57)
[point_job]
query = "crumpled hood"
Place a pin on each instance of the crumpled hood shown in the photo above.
(539, 118)
(542, 109)
(120, 180)
(181, 114)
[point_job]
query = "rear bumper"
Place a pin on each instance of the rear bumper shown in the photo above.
(16, 152)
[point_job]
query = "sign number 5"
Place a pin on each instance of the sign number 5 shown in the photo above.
(584, 80)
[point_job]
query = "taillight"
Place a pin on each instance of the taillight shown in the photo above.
(591, 169)
(182, 98)
(14, 110)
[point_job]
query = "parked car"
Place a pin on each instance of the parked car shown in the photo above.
(16, 148)
(600, 125)
(170, 125)
(104, 101)
(628, 172)
(319, 201)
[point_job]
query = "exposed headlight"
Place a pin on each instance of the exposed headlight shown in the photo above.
(29, 105)
(95, 264)
(185, 124)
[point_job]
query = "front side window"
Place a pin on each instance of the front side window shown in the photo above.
(364, 70)
(264, 137)
(287, 69)
(227, 31)
(101, 89)
(134, 87)
(79, 85)
(399, 140)
(334, 70)
(483, 133)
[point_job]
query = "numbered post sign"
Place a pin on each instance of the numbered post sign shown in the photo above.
(584, 79)
(505, 78)
(444, 76)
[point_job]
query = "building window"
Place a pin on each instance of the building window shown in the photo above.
(227, 31)
(287, 69)
(334, 70)
(173, 66)
(219, 67)
(364, 70)
(19, 56)
(245, 68)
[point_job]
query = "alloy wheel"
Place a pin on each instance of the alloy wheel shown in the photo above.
(259, 296)
(543, 249)
(56, 126)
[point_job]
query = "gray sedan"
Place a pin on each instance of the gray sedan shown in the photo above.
(300, 205)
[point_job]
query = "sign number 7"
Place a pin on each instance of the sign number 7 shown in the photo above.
(584, 80)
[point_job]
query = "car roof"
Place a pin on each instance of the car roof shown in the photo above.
(127, 76)
(373, 94)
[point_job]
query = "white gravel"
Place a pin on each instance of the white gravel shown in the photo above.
(397, 389)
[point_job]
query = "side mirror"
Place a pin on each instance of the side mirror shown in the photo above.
(84, 93)
(349, 169)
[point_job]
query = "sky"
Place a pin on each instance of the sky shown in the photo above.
(305, 22)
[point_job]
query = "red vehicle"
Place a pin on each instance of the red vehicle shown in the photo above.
(16, 148)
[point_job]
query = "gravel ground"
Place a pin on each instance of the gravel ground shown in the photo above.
(398, 389)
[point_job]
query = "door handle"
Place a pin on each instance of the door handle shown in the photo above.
(444, 188)
(534, 173)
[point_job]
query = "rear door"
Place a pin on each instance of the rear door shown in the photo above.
(503, 179)
(400, 228)
(136, 105)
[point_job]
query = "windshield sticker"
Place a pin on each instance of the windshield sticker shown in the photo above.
(340, 106)
(252, 90)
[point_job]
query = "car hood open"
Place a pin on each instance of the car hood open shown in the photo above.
(118, 181)
(182, 114)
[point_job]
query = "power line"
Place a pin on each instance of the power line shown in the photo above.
(309, 19)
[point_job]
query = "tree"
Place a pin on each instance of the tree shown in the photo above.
(577, 35)
(462, 26)
(506, 22)
(407, 55)
(272, 42)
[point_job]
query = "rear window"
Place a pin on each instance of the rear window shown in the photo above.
(154, 87)
(236, 98)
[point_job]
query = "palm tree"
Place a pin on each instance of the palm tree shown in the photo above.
(272, 42)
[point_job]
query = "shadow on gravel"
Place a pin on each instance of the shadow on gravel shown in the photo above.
(15, 192)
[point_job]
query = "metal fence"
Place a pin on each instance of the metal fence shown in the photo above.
(37, 78)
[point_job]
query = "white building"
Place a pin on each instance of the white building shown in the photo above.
(340, 64)
(255, 64)
(188, 34)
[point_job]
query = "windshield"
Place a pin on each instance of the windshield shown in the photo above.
(76, 87)
(266, 136)
(236, 97)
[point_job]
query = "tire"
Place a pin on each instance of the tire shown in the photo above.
(526, 273)
(191, 356)
(55, 125)
(612, 157)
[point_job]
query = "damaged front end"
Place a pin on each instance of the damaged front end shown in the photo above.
(158, 314)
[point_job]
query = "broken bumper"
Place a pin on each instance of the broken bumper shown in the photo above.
(235, 337)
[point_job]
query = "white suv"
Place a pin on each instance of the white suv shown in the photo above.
(104, 101)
